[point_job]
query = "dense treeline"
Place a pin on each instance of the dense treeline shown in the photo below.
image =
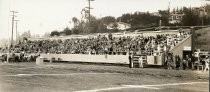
(191, 17)
(140, 19)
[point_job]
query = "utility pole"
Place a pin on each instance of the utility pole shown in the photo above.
(89, 8)
(11, 44)
(169, 6)
(13, 19)
(89, 14)
(204, 15)
(17, 36)
(192, 43)
(160, 24)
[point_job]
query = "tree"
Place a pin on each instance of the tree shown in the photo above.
(140, 19)
(101, 26)
(46, 35)
(114, 26)
(26, 34)
(164, 17)
(207, 20)
(190, 17)
(35, 36)
(75, 31)
(173, 11)
(4, 43)
(75, 20)
(92, 26)
(67, 31)
(207, 8)
(108, 19)
(125, 18)
(55, 33)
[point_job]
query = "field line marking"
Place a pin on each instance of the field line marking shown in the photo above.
(56, 74)
(171, 84)
(103, 89)
(141, 86)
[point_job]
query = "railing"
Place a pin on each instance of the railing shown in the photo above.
(149, 53)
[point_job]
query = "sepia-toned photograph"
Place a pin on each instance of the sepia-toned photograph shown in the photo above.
(104, 45)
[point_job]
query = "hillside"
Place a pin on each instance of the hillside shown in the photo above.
(203, 39)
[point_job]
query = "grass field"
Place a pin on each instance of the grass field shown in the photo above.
(62, 77)
(202, 39)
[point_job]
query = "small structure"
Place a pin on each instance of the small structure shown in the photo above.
(39, 61)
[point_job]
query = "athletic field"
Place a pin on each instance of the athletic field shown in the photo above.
(68, 77)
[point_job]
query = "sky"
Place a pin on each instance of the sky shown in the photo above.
(41, 16)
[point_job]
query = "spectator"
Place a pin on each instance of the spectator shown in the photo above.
(169, 63)
(188, 61)
(184, 64)
(206, 63)
(100, 45)
(203, 62)
(178, 62)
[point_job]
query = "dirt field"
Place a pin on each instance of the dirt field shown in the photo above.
(62, 77)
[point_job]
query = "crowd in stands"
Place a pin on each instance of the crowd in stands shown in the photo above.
(150, 45)
(102, 45)
(21, 57)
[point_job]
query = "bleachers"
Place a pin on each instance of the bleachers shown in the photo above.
(150, 47)
(100, 45)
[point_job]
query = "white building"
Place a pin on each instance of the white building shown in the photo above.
(175, 18)
(120, 26)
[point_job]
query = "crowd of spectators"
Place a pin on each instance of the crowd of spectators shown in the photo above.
(102, 45)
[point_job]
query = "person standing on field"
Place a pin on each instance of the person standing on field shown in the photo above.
(141, 62)
(130, 61)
